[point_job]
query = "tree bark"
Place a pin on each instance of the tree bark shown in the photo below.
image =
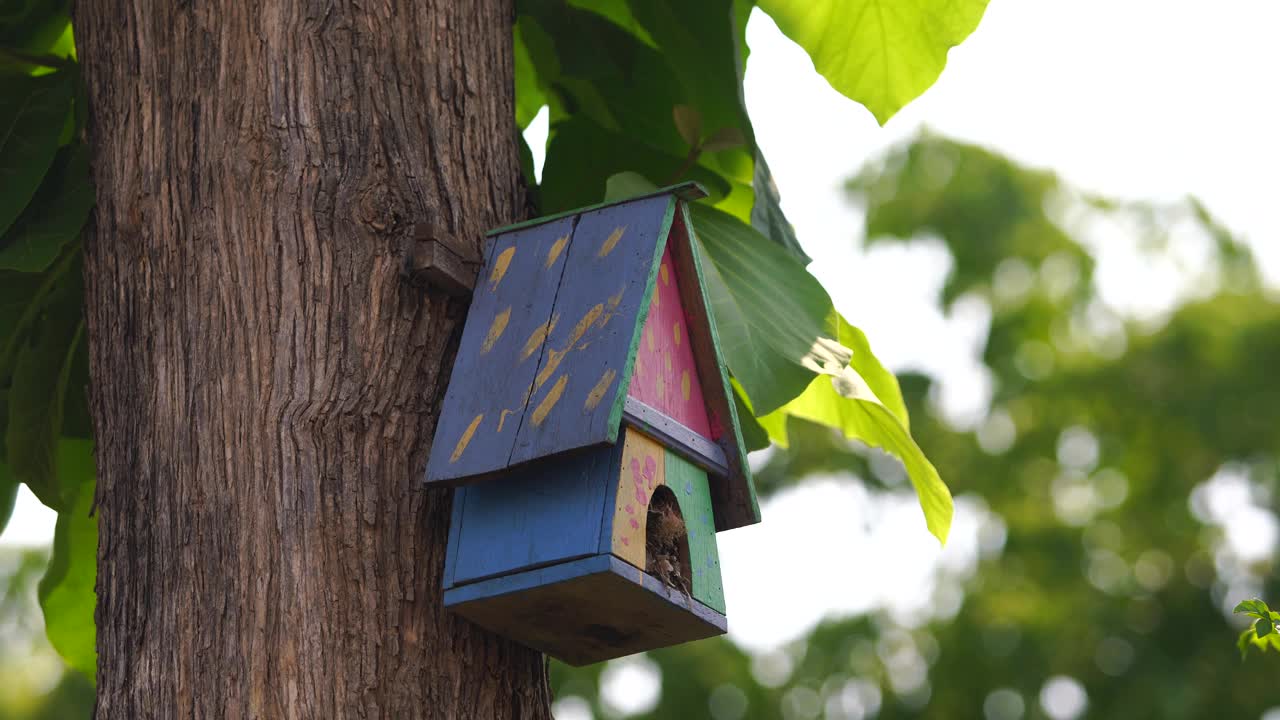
(265, 381)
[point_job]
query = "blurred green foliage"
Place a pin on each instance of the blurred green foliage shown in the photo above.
(34, 682)
(1107, 452)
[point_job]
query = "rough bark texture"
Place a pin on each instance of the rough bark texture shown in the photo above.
(265, 381)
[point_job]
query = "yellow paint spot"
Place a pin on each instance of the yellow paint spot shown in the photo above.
(648, 338)
(611, 242)
(553, 361)
(684, 384)
(676, 331)
(495, 330)
(666, 274)
(556, 248)
(661, 387)
(548, 402)
(502, 416)
(616, 299)
(465, 439)
(597, 392)
(666, 361)
(584, 325)
(500, 266)
(537, 337)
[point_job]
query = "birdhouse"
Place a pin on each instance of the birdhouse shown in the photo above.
(590, 429)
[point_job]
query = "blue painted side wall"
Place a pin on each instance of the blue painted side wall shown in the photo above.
(544, 512)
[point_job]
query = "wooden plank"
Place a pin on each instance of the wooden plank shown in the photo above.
(698, 449)
(689, 190)
(543, 512)
(455, 528)
(641, 471)
(586, 366)
(665, 376)
(689, 484)
(734, 497)
(498, 356)
(586, 611)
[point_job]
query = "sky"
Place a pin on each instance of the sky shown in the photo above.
(1136, 99)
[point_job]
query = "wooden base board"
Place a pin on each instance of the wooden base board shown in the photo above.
(586, 611)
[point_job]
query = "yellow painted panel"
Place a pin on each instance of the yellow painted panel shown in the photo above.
(643, 470)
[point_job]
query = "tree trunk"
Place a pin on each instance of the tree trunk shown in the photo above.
(265, 380)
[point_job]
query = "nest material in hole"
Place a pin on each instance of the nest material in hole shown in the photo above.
(666, 530)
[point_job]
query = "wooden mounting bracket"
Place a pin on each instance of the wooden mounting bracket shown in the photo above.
(441, 260)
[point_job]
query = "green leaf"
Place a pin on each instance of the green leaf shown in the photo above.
(882, 383)
(8, 495)
(529, 95)
(1264, 627)
(39, 386)
(725, 138)
(67, 588)
(582, 156)
(1254, 607)
(870, 422)
(54, 217)
(770, 311)
(881, 53)
(689, 123)
(754, 435)
(766, 212)
(624, 185)
(32, 116)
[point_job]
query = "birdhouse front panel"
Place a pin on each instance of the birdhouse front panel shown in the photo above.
(648, 469)
(665, 377)
(590, 429)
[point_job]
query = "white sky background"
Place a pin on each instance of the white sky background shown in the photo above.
(1136, 99)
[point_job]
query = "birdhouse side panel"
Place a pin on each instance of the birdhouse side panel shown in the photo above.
(585, 363)
(665, 376)
(689, 483)
(497, 361)
(540, 513)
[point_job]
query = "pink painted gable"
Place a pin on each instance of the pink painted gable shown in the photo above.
(665, 377)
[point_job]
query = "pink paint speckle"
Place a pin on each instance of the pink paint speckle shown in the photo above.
(626, 541)
(641, 497)
(631, 510)
(635, 524)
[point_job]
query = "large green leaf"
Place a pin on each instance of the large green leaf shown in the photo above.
(778, 328)
(54, 216)
(828, 401)
(39, 386)
(8, 495)
(32, 115)
(881, 53)
(67, 589)
(771, 312)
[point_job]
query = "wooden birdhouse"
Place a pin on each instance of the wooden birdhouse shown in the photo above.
(591, 429)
